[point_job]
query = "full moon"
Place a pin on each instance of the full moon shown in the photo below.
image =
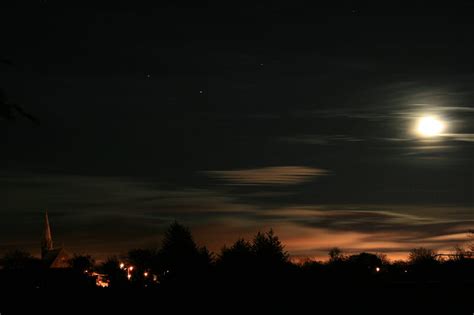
(430, 126)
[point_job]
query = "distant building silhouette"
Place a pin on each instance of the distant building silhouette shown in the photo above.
(52, 257)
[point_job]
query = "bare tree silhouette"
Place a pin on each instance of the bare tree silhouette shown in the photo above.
(6, 61)
(422, 255)
(10, 111)
(336, 255)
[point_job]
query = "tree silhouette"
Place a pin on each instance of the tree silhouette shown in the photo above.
(117, 276)
(6, 61)
(364, 264)
(237, 263)
(366, 259)
(424, 263)
(17, 259)
(82, 263)
(178, 251)
(205, 257)
(239, 256)
(145, 264)
(335, 255)
(142, 259)
(268, 249)
(180, 259)
(422, 256)
(460, 253)
(181, 265)
(10, 111)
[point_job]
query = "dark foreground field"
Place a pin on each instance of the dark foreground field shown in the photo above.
(265, 295)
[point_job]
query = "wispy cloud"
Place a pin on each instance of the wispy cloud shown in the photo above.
(320, 139)
(465, 137)
(99, 195)
(311, 230)
(101, 214)
(347, 113)
(276, 175)
(106, 215)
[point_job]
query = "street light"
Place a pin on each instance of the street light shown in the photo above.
(129, 270)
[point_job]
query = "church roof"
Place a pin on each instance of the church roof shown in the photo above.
(56, 258)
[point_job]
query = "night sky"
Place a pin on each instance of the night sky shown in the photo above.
(233, 120)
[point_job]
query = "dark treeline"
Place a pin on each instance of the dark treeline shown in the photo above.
(179, 264)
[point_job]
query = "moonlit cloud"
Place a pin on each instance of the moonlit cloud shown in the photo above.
(277, 175)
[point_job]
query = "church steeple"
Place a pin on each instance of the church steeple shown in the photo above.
(47, 241)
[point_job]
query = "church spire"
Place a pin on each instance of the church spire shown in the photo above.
(47, 241)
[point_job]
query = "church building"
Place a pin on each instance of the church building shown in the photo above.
(52, 257)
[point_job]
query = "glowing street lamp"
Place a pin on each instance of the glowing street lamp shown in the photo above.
(122, 265)
(129, 272)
